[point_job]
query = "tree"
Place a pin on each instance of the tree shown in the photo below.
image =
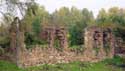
(13, 6)
(4, 36)
(76, 34)
(103, 19)
(33, 13)
(36, 17)
(61, 17)
(117, 17)
(80, 20)
(87, 17)
(114, 19)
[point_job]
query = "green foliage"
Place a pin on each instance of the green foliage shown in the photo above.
(61, 17)
(36, 26)
(35, 16)
(113, 18)
(4, 41)
(80, 20)
(117, 60)
(4, 36)
(87, 17)
(76, 34)
(120, 32)
(102, 17)
(57, 45)
(31, 39)
(74, 19)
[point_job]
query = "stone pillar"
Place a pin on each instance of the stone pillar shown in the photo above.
(13, 37)
(51, 37)
(63, 38)
(101, 53)
(112, 46)
(88, 42)
(109, 41)
(17, 41)
(13, 41)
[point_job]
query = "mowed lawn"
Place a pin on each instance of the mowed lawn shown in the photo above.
(114, 64)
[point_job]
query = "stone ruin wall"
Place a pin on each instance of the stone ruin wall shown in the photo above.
(94, 37)
(120, 46)
(99, 43)
(55, 33)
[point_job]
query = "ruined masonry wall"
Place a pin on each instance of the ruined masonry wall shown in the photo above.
(94, 49)
(39, 55)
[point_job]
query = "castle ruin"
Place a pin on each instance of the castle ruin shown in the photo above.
(98, 45)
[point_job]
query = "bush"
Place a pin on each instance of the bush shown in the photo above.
(76, 34)
(31, 39)
(117, 60)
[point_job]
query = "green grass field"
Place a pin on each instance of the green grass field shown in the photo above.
(106, 65)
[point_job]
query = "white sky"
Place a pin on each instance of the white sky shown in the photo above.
(93, 5)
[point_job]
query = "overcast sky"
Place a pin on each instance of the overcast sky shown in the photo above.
(93, 5)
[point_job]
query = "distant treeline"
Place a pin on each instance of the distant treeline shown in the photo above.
(75, 20)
